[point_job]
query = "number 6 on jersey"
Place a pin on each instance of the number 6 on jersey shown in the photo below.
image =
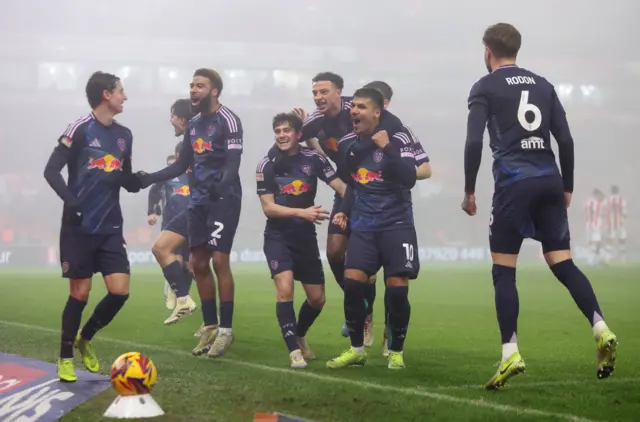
(522, 113)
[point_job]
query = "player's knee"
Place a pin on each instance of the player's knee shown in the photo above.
(555, 257)
(334, 255)
(117, 284)
(80, 289)
(159, 250)
(397, 282)
(317, 300)
(221, 262)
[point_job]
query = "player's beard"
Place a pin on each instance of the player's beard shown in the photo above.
(487, 63)
(203, 106)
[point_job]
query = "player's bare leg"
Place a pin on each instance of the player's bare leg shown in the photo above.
(71, 317)
(200, 262)
(226, 287)
(336, 249)
(307, 315)
(117, 294)
(561, 264)
(355, 313)
(176, 272)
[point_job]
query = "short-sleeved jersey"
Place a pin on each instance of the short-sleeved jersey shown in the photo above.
(380, 201)
(522, 108)
(420, 155)
(100, 155)
(293, 183)
(176, 194)
(213, 137)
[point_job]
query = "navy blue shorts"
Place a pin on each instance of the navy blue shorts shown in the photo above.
(333, 229)
(179, 225)
(82, 255)
(214, 225)
(395, 250)
(300, 255)
(530, 208)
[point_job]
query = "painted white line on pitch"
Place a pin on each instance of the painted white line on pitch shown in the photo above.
(330, 379)
(538, 384)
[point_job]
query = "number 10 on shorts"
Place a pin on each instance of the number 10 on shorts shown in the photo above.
(408, 250)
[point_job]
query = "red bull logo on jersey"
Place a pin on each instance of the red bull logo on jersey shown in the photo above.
(108, 163)
(297, 187)
(364, 176)
(182, 191)
(331, 143)
(200, 146)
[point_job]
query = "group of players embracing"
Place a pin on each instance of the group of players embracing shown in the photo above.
(376, 162)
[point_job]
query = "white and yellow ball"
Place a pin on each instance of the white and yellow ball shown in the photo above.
(132, 374)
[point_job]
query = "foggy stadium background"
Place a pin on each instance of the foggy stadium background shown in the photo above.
(429, 52)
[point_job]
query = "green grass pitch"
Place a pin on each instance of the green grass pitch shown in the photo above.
(452, 345)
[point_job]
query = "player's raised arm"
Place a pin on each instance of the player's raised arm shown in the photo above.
(560, 131)
(476, 124)
(62, 154)
(174, 170)
(400, 151)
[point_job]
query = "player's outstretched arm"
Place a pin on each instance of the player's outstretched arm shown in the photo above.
(61, 155)
(174, 170)
(561, 132)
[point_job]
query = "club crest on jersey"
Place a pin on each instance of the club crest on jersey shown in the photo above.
(121, 144)
(377, 156)
(211, 130)
(306, 169)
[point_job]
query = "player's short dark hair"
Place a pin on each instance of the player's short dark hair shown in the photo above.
(383, 87)
(182, 109)
(372, 94)
(294, 121)
(334, 78)
(503, 39)
(97, 84)
(615, 189)
(213, 76)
